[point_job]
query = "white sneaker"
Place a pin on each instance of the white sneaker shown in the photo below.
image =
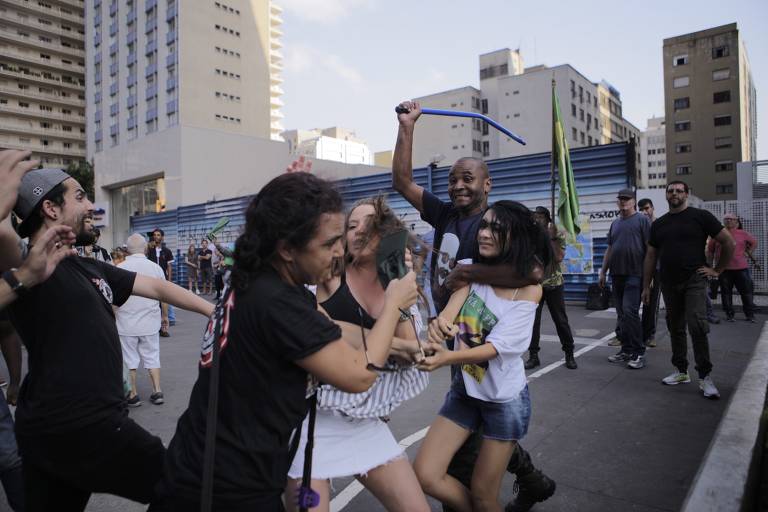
(708, 388)
(676, 378)
(636, 362)
(197, 291)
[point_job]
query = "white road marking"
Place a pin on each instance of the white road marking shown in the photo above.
(353, 489)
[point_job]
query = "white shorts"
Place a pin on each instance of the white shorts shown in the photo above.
(141, 348)
(345, 446)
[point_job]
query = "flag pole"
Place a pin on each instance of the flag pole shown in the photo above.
(552, 153)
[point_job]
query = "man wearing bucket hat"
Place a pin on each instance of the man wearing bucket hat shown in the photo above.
(71, 424)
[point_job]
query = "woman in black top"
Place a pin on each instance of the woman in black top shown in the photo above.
(272, 338)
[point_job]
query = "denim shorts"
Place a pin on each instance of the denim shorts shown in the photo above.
(502, 421)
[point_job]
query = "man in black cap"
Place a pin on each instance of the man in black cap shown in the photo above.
(74, 435)
(627, 239)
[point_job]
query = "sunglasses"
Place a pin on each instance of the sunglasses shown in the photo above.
(369, 365)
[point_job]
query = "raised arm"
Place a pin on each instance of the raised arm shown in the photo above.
(402, 166)
(166, 291)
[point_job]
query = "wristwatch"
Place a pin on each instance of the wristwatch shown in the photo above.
(16, 286)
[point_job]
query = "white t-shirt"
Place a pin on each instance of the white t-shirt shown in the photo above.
(508, 325)
(139, 316)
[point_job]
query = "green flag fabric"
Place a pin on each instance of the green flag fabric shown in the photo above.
(568, 202)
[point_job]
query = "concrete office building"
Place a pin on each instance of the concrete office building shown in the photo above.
(520, 98)
(42, 79)
(709, 102)
(183, 101)
(336, 144)
(653, 147)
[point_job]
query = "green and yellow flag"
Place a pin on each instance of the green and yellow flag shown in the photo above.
(568, 203)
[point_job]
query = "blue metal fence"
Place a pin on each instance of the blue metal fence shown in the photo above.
(600, 171)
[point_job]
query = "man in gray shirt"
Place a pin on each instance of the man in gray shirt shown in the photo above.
(627, 239)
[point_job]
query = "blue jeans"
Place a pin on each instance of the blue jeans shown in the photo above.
(171, 314)
(626, 296)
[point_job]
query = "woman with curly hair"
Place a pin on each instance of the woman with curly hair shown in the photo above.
(274, 343)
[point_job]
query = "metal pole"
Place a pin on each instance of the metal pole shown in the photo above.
(552, 153)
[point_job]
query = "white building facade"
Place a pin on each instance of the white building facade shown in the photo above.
(653, 147)
(335, 144)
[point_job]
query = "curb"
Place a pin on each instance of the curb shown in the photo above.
(727, 478)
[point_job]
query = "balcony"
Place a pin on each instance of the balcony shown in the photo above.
(170, 84)
(170, 37)
(45, 150)
(97, 136)
(151, 91)
(50, 98)
(97, 97)
(131, 80)
(54, 12)
(132, 58)
(113, 8)
(275, 78)
(170, 59)
(276, 90)
(131, 101)
(42, 132)
(97, 39)
(131, 17)
(10, 53)
(150, 25)
(171, 106)
(275, 44)
(151, 70)
(113, 69)
(13, 37)
(113, 29)
(131, 37)
(97, 19)
(113, 48)
(97, 78)
(150, 4)
(97, 57)
(151, 114)
(114, 88)
(114, 109)
(114, 130)
(132, 122)
(170, 13)
(75, 118)
(151, 46)
(14, 19)
(276, 102)
(97, 116)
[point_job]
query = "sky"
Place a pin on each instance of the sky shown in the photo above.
(350, 62)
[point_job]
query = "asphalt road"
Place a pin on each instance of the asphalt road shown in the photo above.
(614, 439)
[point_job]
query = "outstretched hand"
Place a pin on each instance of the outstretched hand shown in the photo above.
(12, 168)
(439, 357)
(52, 247)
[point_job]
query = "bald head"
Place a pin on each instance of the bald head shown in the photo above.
(471, 162)
(136, 244)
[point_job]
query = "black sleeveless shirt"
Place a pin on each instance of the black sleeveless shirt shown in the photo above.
(343, 306)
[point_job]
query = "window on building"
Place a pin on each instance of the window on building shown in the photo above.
(575, 134)
(486, 148)
(723, 120)
(682, 126)
(724, 188)
(718, 52)
(683, 147)
(682, 103)
(582, 137)
(581, 114)
(680, 60)
(484, 106)
(485, 128)
(721, 97)
(684, 169)
(681, 81)
(589, 140)
(573, 110)
(723, 166)
(721, 74)
(723, 142)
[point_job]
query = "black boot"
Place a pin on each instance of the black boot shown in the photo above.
(532, 362)
(570, 361)
(532, 485)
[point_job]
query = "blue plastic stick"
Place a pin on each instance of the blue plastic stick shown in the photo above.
(458, 113)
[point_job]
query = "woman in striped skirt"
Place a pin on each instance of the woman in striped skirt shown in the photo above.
(351, 435)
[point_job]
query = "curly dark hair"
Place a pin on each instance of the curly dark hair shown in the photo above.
(521, 240)
(287, 208)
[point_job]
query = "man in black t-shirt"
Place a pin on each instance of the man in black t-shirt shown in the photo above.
(158, 253)
(72, 427)
(678, 239)
(456, 224)
(206, 266)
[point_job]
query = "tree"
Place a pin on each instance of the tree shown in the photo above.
(82, 171)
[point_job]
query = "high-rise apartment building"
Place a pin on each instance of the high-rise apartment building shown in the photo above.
(709, 102)
(42, 79)
(653, 147)
(181, 97)
(521, 99)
